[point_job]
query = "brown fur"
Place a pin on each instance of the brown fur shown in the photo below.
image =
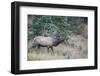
(41, 41)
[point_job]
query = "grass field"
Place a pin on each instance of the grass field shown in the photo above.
(75, 49)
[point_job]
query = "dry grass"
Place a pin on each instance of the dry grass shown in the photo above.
(76, 49)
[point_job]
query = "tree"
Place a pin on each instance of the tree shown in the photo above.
(62, 26)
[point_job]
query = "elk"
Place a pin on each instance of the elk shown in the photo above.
(49, 42)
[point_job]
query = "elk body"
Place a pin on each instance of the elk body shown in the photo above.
(49, 42)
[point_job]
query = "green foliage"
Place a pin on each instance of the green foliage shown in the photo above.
(76, 24)
(62, 26)
(30, 35)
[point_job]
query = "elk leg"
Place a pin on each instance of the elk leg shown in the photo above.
(38, 47)
(52, 50)
(48, 49)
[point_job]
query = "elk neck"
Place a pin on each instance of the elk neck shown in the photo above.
(57, 42)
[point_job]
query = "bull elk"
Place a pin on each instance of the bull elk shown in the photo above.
(49, 42)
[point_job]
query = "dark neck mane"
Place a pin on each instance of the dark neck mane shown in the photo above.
(57, 42)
